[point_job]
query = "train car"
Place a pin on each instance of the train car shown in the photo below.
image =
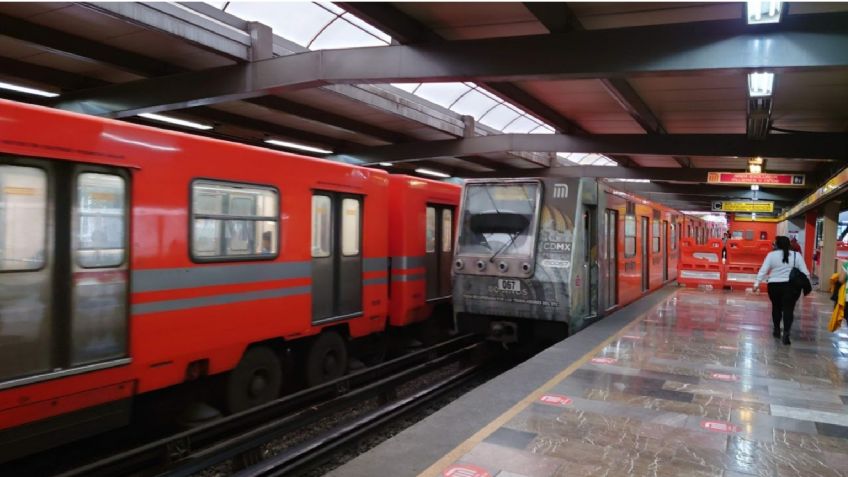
(134, 259)
(422, 229)
(539, 258)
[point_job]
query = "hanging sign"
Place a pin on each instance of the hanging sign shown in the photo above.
(758, 206)
(746, 178)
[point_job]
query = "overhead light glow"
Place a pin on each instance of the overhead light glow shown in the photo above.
(763, 11)
(755, 187)
(760, 84)
(429, 172)
(755, 165)
(300, 147)
(629, 180)
(27, 90)
(177, 121)
(386, 164)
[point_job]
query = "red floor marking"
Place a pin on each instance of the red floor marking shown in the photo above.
(631, 337)
(555, 400)
(729, 348)
(720, 426)
(604, 360)
(465, 470)
(724, 377)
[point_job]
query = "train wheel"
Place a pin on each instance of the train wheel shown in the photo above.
(326, 359)
(256, 380)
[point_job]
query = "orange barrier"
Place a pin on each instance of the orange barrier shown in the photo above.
(744, 258)
(700, 265)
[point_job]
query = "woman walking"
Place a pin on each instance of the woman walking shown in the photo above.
(783, 295)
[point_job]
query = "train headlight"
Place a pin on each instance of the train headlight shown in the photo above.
(459, 264)
(481, 265)
(503, 267)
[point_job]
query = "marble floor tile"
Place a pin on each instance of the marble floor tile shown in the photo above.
(697, 387)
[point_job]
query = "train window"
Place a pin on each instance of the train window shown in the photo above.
(234, 221)
(629, 236)
(447, 229)
(101, 220)
(655, 236)
(673, 233)
(23, 218)
(350, 227)
(431, 230)
(499, 218)
(322, 226)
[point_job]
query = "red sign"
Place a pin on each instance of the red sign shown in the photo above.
(738, 178)
(724, 377)
(465, 470)
(555, 400)
(604, 360)
(720, 426)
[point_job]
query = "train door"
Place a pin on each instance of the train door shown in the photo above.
(63, 258)
(590, 259)
(646, 275)
(336, 256)
(437, 252)
(664, 245)
(611, 258)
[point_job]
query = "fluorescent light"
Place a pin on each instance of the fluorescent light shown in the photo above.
(755, 187)
(642, 181)
(385, 164)
(178, 122)
(301, 147)
(760, 84)
(428, 172)
(755, 168)
(24, 89)
(763, 11)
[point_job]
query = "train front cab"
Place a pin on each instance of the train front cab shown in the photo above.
(539, 258)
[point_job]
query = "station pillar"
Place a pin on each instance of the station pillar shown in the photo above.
(828, 252)
(810, 237)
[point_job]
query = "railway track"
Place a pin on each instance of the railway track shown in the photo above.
(239, 444)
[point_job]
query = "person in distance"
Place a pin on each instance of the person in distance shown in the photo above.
(783, 294)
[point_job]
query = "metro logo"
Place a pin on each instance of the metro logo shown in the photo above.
(555, 400)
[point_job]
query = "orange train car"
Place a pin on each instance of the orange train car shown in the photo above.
(133, 259)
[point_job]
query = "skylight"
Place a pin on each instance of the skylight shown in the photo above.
(320, 26)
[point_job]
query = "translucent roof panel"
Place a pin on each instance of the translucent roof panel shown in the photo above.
(582, 159)
(321, 26)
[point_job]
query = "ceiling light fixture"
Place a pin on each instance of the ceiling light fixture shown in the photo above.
(300, 147)
(429, 172)
(763, 11)
(760, 84)
(24, 89)
(755, 165)
(177, 121)
(385, 164)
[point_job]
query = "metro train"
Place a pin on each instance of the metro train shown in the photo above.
(538, 259)
(134, 259)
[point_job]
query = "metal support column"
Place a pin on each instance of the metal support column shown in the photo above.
(828, 252)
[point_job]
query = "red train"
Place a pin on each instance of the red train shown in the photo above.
(537, 259)
(134, 259)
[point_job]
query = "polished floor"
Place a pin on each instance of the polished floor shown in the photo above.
(695, 387)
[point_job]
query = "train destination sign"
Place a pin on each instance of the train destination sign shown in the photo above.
(758, 206)
(745, 178)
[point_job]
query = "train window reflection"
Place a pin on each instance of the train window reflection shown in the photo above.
(447, 230)
(322, 227)
(234, 221)
(23, 217)
(101, 220)
(516, 201)
(350, 227)
(431, 230)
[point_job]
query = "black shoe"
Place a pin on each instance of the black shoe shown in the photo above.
(785, 339)
(776, 333)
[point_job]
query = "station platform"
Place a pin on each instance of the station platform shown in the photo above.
(681, 383)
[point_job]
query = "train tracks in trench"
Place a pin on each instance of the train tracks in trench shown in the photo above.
(295, 433)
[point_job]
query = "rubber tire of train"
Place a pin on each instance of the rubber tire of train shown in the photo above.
(328, 345)
(255, 380)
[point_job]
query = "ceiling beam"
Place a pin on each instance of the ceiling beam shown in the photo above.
(559, 18)
(828, 146)
(710, 192)
(677, 174)
(727, 45)
(407, 30)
